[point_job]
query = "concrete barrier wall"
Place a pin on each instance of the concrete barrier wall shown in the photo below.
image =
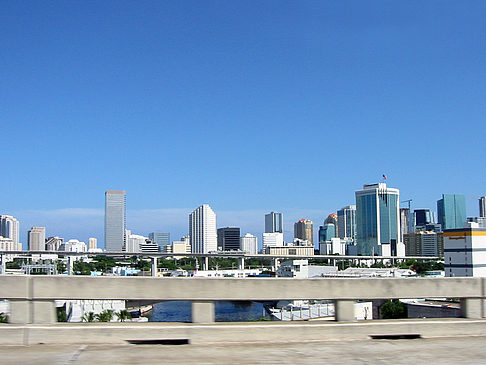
(148, 288)
(32, 297)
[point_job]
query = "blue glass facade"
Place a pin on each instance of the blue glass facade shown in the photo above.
(326, 232)
(451, 211)
(377, 220)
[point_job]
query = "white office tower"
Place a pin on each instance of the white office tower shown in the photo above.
(54, 243)
(115, 220)
(249, 244)
(92, 243)
(347, 222)
(273, 222)
(465, 251)
(202, 230)
(133, 242)
(37, 239)
(274, 239)
(9, 228)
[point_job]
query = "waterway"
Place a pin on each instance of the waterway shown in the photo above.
(180, 311)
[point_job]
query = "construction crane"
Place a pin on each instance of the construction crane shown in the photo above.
(407, 201)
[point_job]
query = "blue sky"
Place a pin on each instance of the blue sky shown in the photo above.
(249, 106)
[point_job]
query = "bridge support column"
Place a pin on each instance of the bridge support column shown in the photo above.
(36, 311)
(344, 310)
(472, 308)
(205, 265)
(3, 264)
(276, 264)
(241, 263)
(70, 265)
(202, 311)
(154, 266)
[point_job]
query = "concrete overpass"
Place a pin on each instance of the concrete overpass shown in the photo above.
(33, 317)
(240, 256)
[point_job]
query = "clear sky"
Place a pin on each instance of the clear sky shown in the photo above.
(249, 106)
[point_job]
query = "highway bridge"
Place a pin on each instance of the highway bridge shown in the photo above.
(240, 256)
(33, 320)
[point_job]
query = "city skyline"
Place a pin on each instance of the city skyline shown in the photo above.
(143, 222)
(184, 103)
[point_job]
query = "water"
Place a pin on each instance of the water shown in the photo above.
(180, 311)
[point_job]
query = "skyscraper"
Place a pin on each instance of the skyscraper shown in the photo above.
(304, 230)
(482, 206)
(273, 222)
(202, 230)
(229, 238)
(347, 222)
(9, 228)
(404, 221)
(326, 232)
(451, 211)
(92, 243)
(249, 244)
(37, 239)
(378, 221)
(115, 220)
(162, 239)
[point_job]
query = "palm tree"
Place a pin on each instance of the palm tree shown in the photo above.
(88, 317)
(123, 315)
(105, 316)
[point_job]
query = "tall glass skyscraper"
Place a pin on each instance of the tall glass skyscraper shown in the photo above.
(378, 221)
(115, 220)
(451, 211)
(273, 222)
(162, 239)
(347, 222)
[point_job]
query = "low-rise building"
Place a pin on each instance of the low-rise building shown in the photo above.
(465, 251)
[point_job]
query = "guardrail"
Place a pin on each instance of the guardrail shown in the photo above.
(32, 297)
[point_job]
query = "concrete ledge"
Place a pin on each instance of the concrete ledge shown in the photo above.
(204, 289)
(236, 332)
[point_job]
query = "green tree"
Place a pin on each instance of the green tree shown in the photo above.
(105, 316)
(88, 317)
(393, 309)
(3, 318)
(123, 315)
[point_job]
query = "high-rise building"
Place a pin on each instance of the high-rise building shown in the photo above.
(482, 206)
(249, 244)
(54, 243)
(404, 221)
(422, 217)
(202, 230)
(378, 221)
(346, 218)
(162, 239)
(424, 243)
(451, 211)
(326, 232)
(37, 239)
(303, 229)
(115, 220)
(273, 222)
(92, 243)
(9, 228)
(229, 238)
(272, 239)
